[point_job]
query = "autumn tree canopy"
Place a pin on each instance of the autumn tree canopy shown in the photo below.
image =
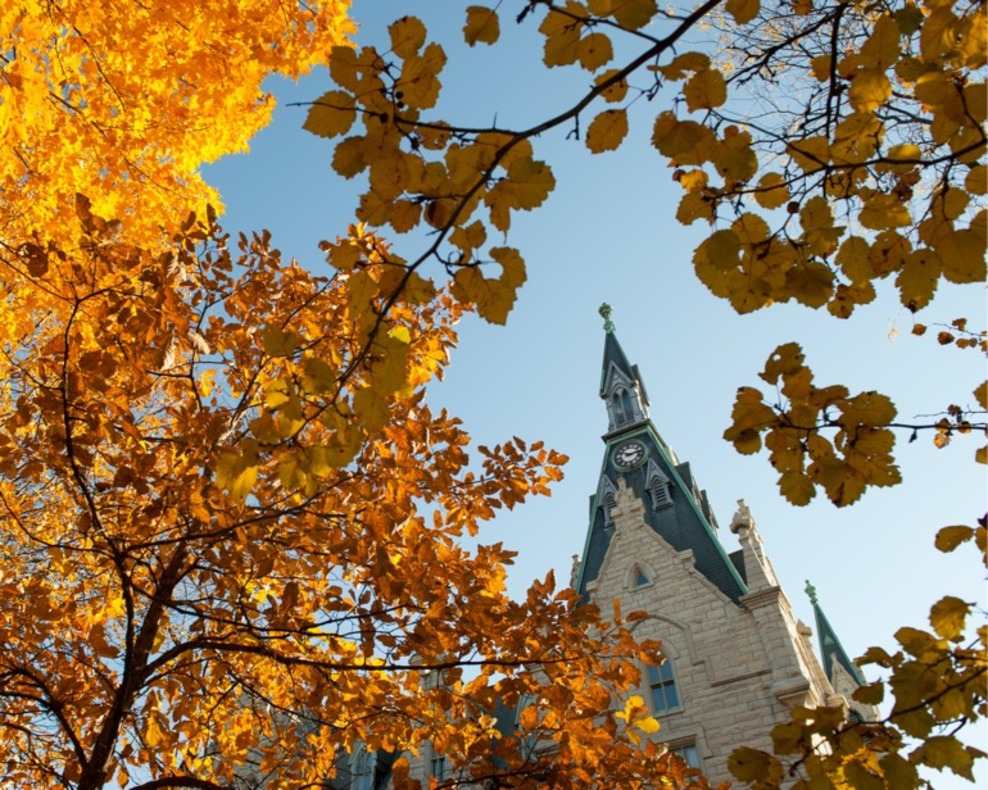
(230, 522)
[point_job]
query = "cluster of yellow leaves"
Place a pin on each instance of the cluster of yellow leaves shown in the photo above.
(460, 185)
(938, 679)
(859, 454)
(864, 158)
(124, 102)
(230, 534)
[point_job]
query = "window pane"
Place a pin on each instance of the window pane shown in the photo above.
(665, 696)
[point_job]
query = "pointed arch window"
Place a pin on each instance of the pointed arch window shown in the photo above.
(641, 579)
(629, 410)
(662, 685)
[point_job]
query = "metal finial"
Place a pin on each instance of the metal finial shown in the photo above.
(605, 313)
(811, 591)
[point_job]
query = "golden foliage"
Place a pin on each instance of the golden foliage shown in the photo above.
(230, 535)
(124, 102)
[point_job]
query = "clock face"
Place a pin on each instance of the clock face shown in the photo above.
(629, 454)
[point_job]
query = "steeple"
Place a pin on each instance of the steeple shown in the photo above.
(621, 384)
(832, 653)
(639, 462)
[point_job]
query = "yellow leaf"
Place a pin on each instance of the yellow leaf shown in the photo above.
(976, 181)
(918, 278)
(647, 724)
(857, 138)
(797, 488)
(331, 114)
(419, 82)
(948, 615)
(693, 180)
(482, 25)
(684, 142)
(853, 258)
(278, 342)
(810, 153)
(949, 538)
(530, 182)
(869, 408)
(870, 88)
(343, 67)
(734, 157)
(694, 206)
(772, 191)
(881, 50)
(743, 10)
(819, 234)
(981, 395)
(633, 14)
(705, 90)
(753, 766)
(751, 229)
(493, 298)
(348, 157)
(607, 131)
(881, 211)
(811, 283)
(686, 63)
(512, 266)
(962, 252)
(820, 67)
(562, 37)
(946, 751)
(236, 473)
(407, 36)
(615, 92)
(594, 51)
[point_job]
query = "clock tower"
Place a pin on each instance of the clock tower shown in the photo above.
(736, 658)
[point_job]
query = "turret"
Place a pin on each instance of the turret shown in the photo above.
(844, 675)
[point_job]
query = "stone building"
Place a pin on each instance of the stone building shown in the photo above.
(737, 659)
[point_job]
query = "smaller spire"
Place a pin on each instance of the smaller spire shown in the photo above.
(811, 592)
(605, 313)
(831, 650)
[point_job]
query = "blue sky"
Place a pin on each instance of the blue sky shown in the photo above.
(608, 233)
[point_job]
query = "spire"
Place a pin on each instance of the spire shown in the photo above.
(621, 384)
(637, 460)
(831, 650)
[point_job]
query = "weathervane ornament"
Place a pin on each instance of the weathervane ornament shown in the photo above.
(811, 591)
(605, 313)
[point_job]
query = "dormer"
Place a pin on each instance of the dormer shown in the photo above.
(607, 499)
(658, 485)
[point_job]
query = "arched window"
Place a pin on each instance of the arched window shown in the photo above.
(641, 578)
(617, 407)
(662, 684)
(629, 410)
